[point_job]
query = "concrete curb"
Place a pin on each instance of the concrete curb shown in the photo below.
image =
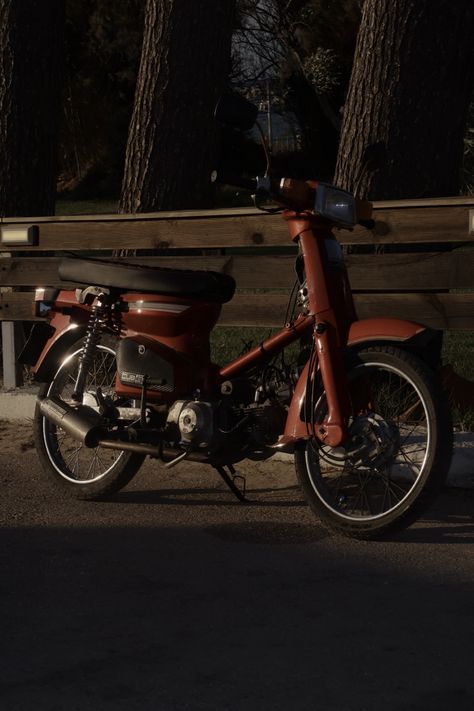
(19, 404)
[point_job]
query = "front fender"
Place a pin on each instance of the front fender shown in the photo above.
(383, 329)
(423, 341)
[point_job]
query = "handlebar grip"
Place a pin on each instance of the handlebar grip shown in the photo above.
(236, 180)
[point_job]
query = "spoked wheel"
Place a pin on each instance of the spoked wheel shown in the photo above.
(397, 455)
(82, 472)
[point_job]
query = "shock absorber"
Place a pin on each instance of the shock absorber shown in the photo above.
(93, 335)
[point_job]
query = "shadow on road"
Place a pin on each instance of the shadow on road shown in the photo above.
(185, 599)
(206, 497)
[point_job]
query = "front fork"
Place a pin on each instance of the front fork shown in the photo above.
(330, 301)
(323, 374)
(333, 429)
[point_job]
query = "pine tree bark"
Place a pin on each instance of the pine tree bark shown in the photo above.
(410, 88)
(31, 61)
(184, 66)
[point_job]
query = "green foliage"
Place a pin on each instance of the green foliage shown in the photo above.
(458, 349)
(322, 70)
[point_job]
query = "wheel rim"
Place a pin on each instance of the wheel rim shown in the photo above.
(386, 459)
(73, 461)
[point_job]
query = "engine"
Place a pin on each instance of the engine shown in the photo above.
(192, 422)
(248, 418)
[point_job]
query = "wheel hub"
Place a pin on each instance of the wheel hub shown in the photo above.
(373, 440)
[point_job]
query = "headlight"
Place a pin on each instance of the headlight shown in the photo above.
(335, 204)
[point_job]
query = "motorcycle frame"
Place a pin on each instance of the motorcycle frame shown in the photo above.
(330, 319)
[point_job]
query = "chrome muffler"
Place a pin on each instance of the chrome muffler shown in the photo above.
(81, 422)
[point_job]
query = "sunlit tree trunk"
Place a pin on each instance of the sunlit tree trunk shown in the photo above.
(410, 89)
(172, 137)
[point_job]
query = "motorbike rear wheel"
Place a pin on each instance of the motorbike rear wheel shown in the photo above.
(80, 471)
(397, 455)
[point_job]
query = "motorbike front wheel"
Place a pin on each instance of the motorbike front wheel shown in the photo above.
(397, 455)
(80, 471)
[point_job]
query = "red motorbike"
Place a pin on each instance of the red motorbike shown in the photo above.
(125, 371)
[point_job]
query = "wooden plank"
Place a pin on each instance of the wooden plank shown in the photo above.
(444, 311)
(467, 200)
(414, 225)
(460, 200)
(266, 272)
(382, 272)
(443, 222)
(16, 306)
(141, 216)
(160, 234)
(411, 271)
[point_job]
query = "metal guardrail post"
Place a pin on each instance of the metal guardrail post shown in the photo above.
(12, 335)
(11, 375)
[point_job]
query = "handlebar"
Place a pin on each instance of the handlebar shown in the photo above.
(236, 180)
(294, 194)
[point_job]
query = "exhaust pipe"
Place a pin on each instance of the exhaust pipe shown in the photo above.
(81, 422)
(84, 424)
(154, 451)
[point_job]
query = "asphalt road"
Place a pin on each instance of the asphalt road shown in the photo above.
(175, 596)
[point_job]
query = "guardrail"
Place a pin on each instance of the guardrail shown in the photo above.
(432, 283)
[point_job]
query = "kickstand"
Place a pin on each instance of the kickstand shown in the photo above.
(230, 481)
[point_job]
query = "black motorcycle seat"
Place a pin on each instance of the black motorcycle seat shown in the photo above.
(186, 283)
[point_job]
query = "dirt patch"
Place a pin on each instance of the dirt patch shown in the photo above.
(16, 436)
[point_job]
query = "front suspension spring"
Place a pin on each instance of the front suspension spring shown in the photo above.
(93, 336)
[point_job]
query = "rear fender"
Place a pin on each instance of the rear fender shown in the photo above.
(64, 337)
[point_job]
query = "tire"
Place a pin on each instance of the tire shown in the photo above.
(398, 453)
(76, 470)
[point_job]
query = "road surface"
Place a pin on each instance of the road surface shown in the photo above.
(174, 596)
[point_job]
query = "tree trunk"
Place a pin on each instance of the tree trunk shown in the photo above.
(184, 66)
(410, 89)
(31, 39)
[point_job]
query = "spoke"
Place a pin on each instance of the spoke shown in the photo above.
(409, 434)
(386, 491)
(72, 454)
(70, 457)
(90, 468)
(410, 461)
(367, 500)
(393, 486)
(413, 451)
(339, 482)
(362, 493)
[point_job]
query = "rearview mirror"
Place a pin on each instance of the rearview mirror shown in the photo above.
(233, 110)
